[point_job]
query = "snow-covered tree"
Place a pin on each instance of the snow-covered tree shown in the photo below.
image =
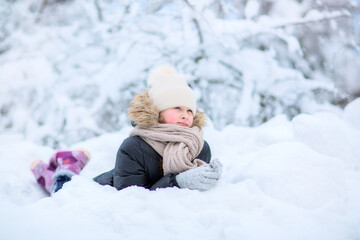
(70, 68)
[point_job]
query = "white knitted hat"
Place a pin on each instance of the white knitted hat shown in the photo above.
(169, 89)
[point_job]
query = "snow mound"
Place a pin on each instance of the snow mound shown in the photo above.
(293, 173)
(285, 179)
(352, 113)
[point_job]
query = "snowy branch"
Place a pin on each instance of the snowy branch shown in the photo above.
(98, 10)
(318, 17)
(40, 10)
(196, 23)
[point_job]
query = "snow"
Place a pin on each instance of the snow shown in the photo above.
(351, 114)
(284, 179)
(67, 80)
(251, 9)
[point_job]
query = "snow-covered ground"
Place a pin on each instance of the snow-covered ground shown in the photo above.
(296, 179)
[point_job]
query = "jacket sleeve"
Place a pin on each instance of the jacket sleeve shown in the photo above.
(169, 180)
(129, 169)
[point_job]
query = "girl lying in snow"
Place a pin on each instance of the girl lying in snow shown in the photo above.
(165, 149)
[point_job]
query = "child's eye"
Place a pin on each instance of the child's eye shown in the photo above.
(179, 108)
(190, 111)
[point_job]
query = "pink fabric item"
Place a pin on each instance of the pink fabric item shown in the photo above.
(73, 161)
(61, 161)
(43, 175)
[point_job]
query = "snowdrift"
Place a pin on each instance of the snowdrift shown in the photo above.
(296, 179)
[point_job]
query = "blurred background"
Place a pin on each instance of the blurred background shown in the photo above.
(68, 69)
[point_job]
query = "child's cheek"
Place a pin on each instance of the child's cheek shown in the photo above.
(170, 118)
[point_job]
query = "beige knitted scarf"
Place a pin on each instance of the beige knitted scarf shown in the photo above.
(176, 144)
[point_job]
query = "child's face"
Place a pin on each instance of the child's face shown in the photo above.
(181, 116)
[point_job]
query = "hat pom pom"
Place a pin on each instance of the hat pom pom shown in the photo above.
(163, 71)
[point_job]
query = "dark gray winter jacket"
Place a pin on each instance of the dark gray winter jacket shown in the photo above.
(137, 163)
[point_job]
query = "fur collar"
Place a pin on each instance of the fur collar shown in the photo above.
(143, 112)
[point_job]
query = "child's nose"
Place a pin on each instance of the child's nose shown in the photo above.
(184, 114)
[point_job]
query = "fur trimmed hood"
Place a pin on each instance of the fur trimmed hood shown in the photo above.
(143, 112)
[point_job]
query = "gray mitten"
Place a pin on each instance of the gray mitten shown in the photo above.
(201, 178)
(217, 166)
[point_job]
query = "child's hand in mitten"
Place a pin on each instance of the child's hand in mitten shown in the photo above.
(201, 178)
